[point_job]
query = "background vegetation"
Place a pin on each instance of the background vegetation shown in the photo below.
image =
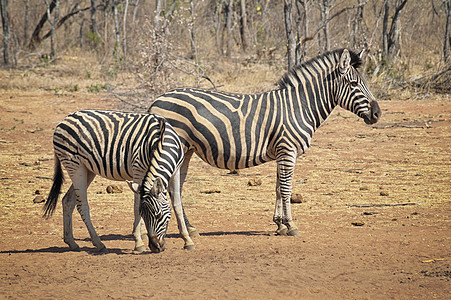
(139, 49)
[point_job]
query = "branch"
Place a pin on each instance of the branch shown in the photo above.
(322, 25)
(64, 19)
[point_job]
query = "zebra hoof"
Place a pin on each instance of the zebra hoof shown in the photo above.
(282, 231)
(193, 232)
(189, 247)
(140, 249)
(103, 250)
(75, 248)
(293, 232)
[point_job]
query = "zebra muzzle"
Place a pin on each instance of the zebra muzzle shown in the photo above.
(156, 244)
(373, 114)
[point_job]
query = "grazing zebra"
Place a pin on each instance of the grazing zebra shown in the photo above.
(119, 146)
(234, 131)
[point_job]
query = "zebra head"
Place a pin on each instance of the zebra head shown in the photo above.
(352, 93)
(155, 210)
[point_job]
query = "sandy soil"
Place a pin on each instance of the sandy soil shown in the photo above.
(393, 179)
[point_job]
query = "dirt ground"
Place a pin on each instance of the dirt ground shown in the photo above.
(375, 216)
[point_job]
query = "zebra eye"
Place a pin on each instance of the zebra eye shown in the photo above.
(353, 84)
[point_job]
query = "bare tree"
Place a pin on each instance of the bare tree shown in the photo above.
(116, 50)
(191, 30)
(6, 26)
(302, 24)
(228, 26)
(447, 38)
(244, 30)
(25, 21)
(324, 8)
(390, 37)
(291, 40)
(217, 25)
(124, 31)
(53, 25)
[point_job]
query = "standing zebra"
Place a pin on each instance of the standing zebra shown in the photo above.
(119, 146)
(234, 131)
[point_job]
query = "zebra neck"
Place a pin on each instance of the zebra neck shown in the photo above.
(310, 104)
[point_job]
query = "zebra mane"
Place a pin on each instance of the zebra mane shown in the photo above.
(291, 78)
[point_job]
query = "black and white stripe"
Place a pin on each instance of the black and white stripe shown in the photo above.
(235, 131)
(118, 146)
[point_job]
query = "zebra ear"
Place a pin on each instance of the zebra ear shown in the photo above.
(361, 53)
(158, 186)
(345, 62)
(133, 186)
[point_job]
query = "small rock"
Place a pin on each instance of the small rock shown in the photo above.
(38, 199)
(254, 182)
(296, 198)
(358, 223)
(233, 172)
(37, 192)
(113, 189)
(384, 193)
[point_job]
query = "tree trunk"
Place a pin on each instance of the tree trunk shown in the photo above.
(229, 14)
(447, 39)
(385, 29)
(25, 21)
(218, 14)
(291, 41)
(117, 33)
(93, 26)
(243, 26)
(35, 38)
(6, 26)
(390, 39)
(191, 31)
(53, 25)
(124, 32)
(302, 29)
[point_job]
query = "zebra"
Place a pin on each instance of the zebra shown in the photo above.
(235, 131)
(119, 146)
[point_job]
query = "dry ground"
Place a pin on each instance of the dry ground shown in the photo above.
(400, 252)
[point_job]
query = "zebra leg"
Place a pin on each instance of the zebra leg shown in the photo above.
(285, 170)
(183, 172)
(138, 225)
(174, 193)
(278, 211)
(68, 209)
(81, 179)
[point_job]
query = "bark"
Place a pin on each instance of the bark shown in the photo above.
(53, 26)
(25, 21)
(244, 30)
(447, 38)
(191, 31)
(93, 26)
(116, 30)
(124, 31)
(6, 26)
(229, 13)
(390, 39)
(218, 22)
(291, 41)
(302, 29)
(35, 37)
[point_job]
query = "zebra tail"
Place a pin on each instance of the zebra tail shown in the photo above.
(58, 179)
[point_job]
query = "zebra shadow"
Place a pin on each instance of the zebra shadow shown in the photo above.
(226, 233)
(65, 249)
